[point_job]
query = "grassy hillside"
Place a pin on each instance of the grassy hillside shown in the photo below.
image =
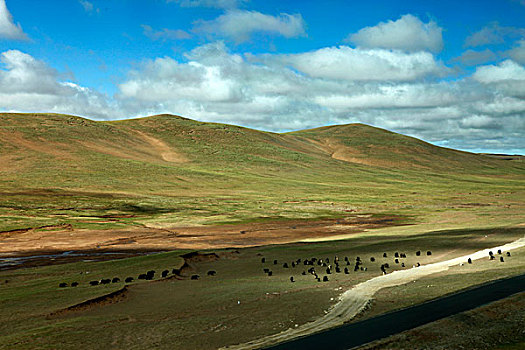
(168, 170)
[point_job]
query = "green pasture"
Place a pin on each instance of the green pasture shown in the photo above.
(69, 170)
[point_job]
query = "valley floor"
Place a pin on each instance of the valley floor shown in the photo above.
(241, 302)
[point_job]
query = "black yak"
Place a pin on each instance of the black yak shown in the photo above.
(129, 279)
(62, 285)
(164, 273)
(115, 280)
(212, 273)
(74, 284)
(195, 277)
(93, 283)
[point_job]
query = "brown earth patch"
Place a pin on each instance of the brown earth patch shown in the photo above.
(4, 234)
(202, 237)
(106, 299)
(165, 151)
(54, 149)
(139, 146)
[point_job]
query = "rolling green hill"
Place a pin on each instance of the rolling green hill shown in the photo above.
(169, 170)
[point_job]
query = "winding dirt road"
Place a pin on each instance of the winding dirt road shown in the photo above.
(355, 299)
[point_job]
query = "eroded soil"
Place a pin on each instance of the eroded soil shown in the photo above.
(59, 239)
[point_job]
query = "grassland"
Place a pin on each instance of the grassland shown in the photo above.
(167, 170)
(67, 175)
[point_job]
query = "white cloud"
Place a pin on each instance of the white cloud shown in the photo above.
(347, 63)
(472, 57)
(241, 25)
(88, 6)
(165, 34)
(391, 96)
(493, 34)
(27, 84)
(517, 53)
(408, 33)
(8, 29)
(224, 4)
(505, 71)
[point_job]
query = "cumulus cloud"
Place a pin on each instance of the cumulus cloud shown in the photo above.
(473, 57)
(347, 63)
(493, 34)
(27, 84)
(224, 4)
(391, 96)
(240, 25)
(8, 29)
(408, 33)
(517, 53)
(165, 34)
(505, 71)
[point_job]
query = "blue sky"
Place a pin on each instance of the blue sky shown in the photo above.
(449, 72)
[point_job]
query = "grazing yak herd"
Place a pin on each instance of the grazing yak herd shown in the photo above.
(345, 266)
(310, 265)
(148, 276)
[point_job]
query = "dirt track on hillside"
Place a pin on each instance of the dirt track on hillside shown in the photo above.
(58, 239)
(355, 300)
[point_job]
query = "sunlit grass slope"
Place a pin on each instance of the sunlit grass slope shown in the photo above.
(171, 170)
